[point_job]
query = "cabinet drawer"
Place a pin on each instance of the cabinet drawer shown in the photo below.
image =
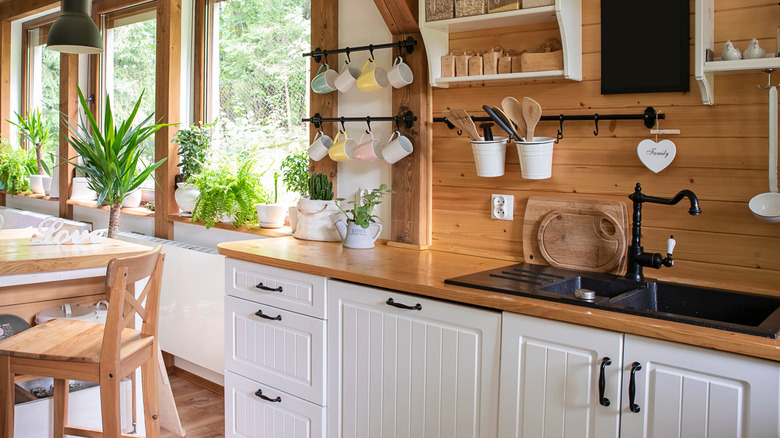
(288, 290)
(247, 415)
(282, 349)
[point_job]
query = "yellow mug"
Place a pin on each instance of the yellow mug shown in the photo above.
(372, 79)
(342, 150)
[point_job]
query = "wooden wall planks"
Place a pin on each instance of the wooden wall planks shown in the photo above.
(721, 156)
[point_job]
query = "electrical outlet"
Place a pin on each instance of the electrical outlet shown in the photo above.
(502, 207)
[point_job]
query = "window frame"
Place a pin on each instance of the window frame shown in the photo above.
(24, 95)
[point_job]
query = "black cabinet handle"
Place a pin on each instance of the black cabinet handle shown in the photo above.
(259, 393)
(636, 366)
(605, 362)
(270, 289)
(263, 315)
(391, 302)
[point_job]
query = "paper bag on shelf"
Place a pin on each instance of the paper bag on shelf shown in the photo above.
(490, 60)
(462, 63)
(505, 64)
(475, 65)
(516, 64)
(448, 65)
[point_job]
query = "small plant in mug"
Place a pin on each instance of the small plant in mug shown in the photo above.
(363, 214)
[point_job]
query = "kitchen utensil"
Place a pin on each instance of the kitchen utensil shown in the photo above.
(532, 112)
(501, 114)
(487, 133)
(514, 111)
(466, 123)
(591, 241)
(766, 206)
(496, 118)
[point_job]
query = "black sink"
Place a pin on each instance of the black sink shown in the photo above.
(747, 313)
(603, 288)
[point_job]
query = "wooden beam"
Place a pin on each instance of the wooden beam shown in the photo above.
(168, 90)
(5, 78)
(411, 209)
(69, 107)
(325, 35)
(400, 15)
(199, 57)
(18, 9)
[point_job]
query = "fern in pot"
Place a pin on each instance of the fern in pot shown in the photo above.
(356, 231)
(317, 213)
(33, 129)
(110, 156)
(16, 166)
(194, 144)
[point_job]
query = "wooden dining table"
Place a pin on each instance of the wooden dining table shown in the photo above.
(37, 277)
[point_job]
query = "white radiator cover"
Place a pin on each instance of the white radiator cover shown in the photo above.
(192, 316)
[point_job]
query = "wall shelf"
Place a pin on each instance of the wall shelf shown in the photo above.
(567, 13)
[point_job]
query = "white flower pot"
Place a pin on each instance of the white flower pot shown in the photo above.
(81, 190)
(186, 196)
(292, 211)
(37, 184)
(316, 220)
(133, 199)
(271, 215)
(357, 237)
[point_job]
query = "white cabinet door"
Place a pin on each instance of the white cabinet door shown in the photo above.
(282, 349)
(550, 373)
(684, 391)
(253, 410)
(422, 372)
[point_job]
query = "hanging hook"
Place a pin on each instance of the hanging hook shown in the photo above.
(768, 72)
(559, 135)
(368, 123)
(398, 123)
(343, 128)
(325, 57)
(371, 51)
(347, 50)
(596, 119)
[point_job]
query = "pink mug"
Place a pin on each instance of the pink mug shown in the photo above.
(370, 150)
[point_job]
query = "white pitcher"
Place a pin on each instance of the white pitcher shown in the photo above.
(355, 236)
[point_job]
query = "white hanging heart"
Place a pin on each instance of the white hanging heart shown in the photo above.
(656, 156)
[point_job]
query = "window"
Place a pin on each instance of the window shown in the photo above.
(42, 81)
(257, 86)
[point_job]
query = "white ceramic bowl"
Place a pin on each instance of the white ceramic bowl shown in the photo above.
(766, 207)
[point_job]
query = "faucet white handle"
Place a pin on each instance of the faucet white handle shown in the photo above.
(670, 245)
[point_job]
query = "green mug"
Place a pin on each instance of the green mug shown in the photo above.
(325, 81)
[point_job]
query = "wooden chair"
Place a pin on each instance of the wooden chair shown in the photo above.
(69, 349)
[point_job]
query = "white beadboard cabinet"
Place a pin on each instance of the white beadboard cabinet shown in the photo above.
(427, 371)
(550, 374)
(685, 391)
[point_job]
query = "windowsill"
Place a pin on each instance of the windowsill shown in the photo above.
(138, 211)
(31, 195)
(252, 229)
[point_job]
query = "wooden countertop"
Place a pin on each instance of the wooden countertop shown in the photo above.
(424, 272)
(18, 256)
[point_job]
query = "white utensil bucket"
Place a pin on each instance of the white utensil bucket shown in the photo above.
(536, 157)
(490, 156)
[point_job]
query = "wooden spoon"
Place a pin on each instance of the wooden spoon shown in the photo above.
(468, 125)
(514, 111)
(532, 112)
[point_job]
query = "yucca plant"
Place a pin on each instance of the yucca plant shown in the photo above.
(110, 156)
(34, 130)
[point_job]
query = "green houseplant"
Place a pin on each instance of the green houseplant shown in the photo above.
(295, 176)
(194, 145)
(110, 156)
(16, 166)
(317, 213)
(271, 214)
(228, 190)
(356, 231)
(34, 129)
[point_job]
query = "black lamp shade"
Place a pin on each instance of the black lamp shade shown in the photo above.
(74, 31)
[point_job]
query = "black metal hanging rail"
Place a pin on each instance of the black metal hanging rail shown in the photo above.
(407, 44)
(408, 118)
(649, 116)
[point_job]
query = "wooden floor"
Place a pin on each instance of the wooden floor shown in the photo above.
(202, 412)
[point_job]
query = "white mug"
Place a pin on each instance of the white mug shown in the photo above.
(397, 147)
(347, 79)
(400, 75)
(319, 148)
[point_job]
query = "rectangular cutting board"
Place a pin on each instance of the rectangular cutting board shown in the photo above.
(581, 234)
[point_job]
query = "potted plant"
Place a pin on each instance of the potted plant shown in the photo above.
(194, 144)
(34, 130)
(295, 175)
(109, 157)
(356, 232)
(228, 190)
(16, 166)
(317, 212)
(271, 215)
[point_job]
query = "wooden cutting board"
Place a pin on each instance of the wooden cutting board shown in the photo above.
(580, 234)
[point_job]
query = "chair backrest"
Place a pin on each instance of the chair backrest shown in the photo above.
(124, 303)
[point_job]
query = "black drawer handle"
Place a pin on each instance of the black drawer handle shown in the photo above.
(259, 393)
(391, 302)
(605, 362)
(263, 315)
(636, 366)
(270, 289)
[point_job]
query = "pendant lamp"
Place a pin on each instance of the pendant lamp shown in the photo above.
(74, 31)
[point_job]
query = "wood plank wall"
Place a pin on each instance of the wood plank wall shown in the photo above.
(721, 156)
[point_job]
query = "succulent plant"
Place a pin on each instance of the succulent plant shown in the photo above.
(320, 188)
